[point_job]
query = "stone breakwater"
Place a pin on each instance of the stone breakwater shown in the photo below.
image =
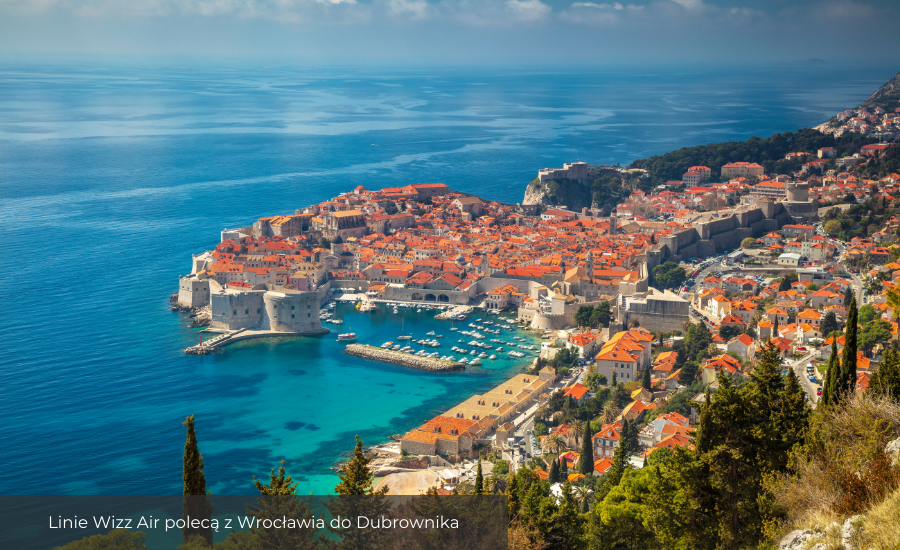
(404, 359)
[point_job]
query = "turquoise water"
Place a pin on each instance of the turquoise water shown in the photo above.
(112, 176)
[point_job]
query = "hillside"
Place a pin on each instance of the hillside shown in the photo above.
(769, 152)
(887, 97)
(605, 188)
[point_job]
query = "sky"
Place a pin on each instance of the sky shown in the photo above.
(462, 32)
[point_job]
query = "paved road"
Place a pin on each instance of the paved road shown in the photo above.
(799, 368)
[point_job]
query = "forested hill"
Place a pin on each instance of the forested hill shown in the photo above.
(769, 152)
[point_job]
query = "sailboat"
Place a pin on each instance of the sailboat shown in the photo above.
(403, 336)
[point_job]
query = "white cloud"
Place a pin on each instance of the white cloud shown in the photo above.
(528, 10)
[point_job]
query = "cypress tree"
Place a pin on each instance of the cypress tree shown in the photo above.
(784, 285)
(554, 472)
(847, 383)
(195, 503)
(831, 377)
(645, 378)
(479, 479)
(586, 463)
(614, 380)
(848, 295)
(774, 328)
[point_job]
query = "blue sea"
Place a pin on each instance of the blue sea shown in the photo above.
(111, 176)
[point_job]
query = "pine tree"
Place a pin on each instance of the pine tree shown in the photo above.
(645, 378)
(356, 479)
(355, 475)
(784, 285)
(479, 479)
(586, 462)
(847, 382)
(829, 324)
(195, 503)
(278, 501)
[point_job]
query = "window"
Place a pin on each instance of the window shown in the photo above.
(292, 315)
(308, 315)
(246, 311)
(257, 310)
(292, 308)
(234, 312)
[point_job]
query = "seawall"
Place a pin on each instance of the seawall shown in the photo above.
(403, 359)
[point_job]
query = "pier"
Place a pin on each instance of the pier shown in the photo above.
(403, 359)
(231, 336)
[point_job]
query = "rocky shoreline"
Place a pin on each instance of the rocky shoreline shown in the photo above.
(403, 359)
(200, 316)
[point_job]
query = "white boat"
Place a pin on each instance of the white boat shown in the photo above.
(439, 336)
(337, 321)
(473, 352)
(492, 357)
(429, 333)
(387, 345)
(500, 348)
(475, 362)
(463, 361)
(453, 329)
(482, 355)
(347, 337)
(419, 310)
(396, 347)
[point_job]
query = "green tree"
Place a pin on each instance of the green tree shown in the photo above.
(594, 380)
(117, 539)
(832, 227)
(830, 388)
(553, 476)
(601, 315)
(586, 461)
(784, 285)
(645, 378)
(583, 315)
(848, 295)
(479, 479)
(355, 475)
(847, 380)
(728, 332)
(873, 333)
(866, 314)
(356, 480)
(812, 287)
(324, 243)
(829, 324)
(886, 380)
(668, 275)
(278, 501)
(195, 502)
(749, 242)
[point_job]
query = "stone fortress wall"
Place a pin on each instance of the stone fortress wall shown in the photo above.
(262, 309)
(577, 171)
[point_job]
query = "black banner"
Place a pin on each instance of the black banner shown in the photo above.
(272, 522)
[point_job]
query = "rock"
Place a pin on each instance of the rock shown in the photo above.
(849, 531)
(796, 540)
(819, 546)
(892, 449)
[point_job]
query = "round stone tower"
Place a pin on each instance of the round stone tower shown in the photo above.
(797, 192)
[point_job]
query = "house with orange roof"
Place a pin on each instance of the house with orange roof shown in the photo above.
(719, 306)
(577, 392)
(442, 435)
(673, 441)
(607, 439)
(626, 354)
(777, 314)
(723, 363)
(602, 466)
(582, 343)
(743, 346)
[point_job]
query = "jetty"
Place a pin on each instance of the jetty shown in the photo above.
(403, 359)
(452, 312)
(230, 336)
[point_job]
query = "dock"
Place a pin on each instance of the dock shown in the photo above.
(404, 359)
(231, 336)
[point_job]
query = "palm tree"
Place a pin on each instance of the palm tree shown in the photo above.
(610, 412)
(577, 431)
(555, 443)
(581, 494)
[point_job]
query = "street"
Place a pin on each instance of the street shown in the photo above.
(799, 368)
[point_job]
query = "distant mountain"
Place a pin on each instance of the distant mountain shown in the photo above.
(810, 61)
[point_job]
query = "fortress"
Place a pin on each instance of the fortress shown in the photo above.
(577, 171)
(259, 308)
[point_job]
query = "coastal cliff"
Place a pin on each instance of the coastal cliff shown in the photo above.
(601, 188)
